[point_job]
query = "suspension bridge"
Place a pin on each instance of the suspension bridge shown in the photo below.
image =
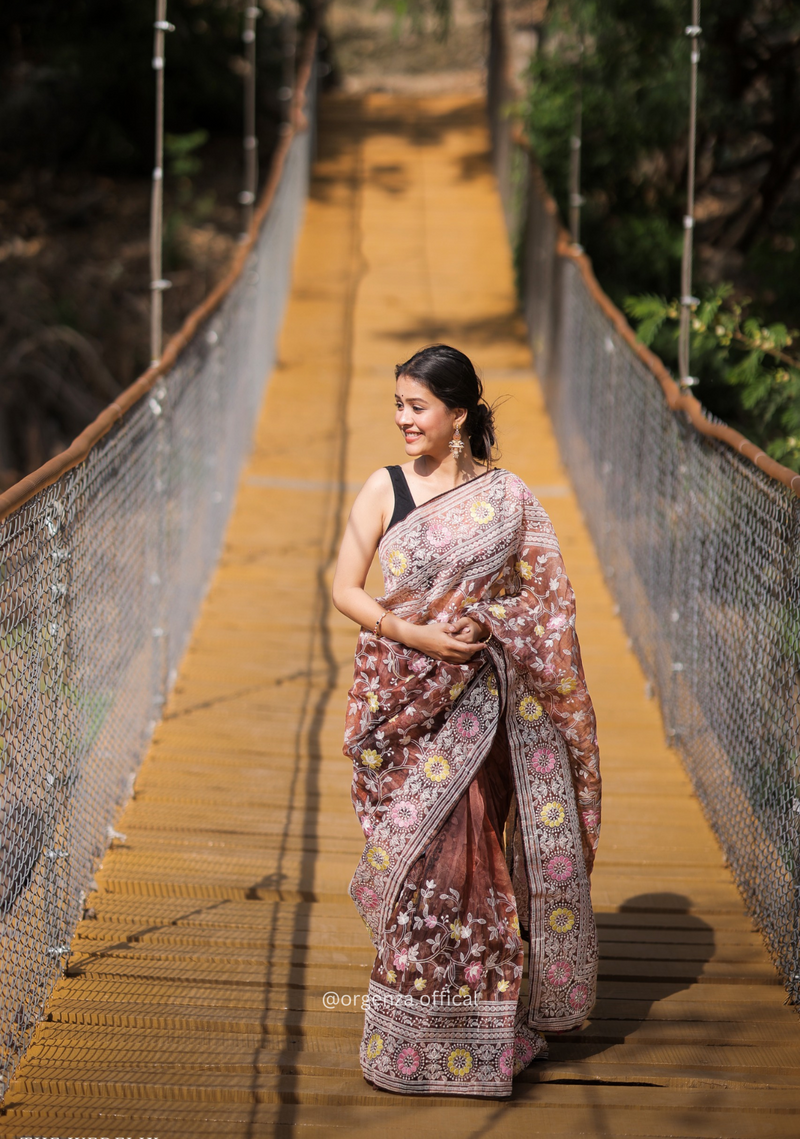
(211, 973)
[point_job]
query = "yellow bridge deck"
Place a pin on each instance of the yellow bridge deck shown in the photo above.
(193, 1000)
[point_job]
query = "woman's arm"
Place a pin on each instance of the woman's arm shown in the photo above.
(362, 534)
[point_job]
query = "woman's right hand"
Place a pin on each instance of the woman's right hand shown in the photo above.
(438, 640)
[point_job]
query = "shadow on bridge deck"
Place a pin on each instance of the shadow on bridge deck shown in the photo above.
(193, 1003)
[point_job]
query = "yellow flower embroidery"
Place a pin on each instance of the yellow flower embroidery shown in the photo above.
(460, 1062)
(530, 709)
(513, 921)
(437, 768)
(456, 690)
(370, 758)
(372, 700)
(538, 630)
(374, 1046)
(524, 569)
(391, 976)
(464, 991)
(469, 601)
(562, 920)
(420, 984)
(502, 986)
(491, 684)
(552, 814)
(456, 929)
(398, 562)
(377, 857)
(497, 610)
(482, 512)
(567, 685)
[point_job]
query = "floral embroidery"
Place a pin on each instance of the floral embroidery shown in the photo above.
(524, 569)
(456, 690)
(460, 1062)
(378, 858)
(437, 768)
(559, 974)
(374, 1046)
(398, 562)
(408, 1061)
(578, 996)
(562, 920)
(542, 761)
(497, 610)
(468, 725)
(482, 512)
(506, 1062)
(559, 868)
(404, 814)
(503, 986)
(530, 709)
(552, 814)
(439, 535)
(370, 758)
(491, 685)
(567, 685)
(372, 700)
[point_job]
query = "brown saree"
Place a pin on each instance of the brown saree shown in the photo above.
(477, 787)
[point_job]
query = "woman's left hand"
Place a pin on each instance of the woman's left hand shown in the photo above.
(468, 630)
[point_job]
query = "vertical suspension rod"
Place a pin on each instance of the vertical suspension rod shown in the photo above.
(157, 282)
(249, 143)
(575, 196)
(687, 300)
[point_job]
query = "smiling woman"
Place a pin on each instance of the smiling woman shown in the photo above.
(476, 777)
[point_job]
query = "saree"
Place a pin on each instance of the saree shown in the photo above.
(477, 788)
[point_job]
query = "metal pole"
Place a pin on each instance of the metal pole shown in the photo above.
(687, 300)
(575, 196)
(250, 144)
(157, 283)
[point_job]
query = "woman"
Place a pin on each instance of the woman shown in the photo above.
(468, 720)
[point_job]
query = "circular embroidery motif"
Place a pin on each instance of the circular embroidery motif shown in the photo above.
(523, 1053)
(482, 512)
(377, 857)
(437, 768)
(374, 1046)
(459, 1062)
(505, 1062)
(370, 758)
(559, 868)
(467, 725)
(530, 709)
(552, 814)
(439, 535)
(578, 996)
(491, 685)
(542, 761)
(367, 897)
(562, 920)
(398, 562)
(404, 815)
(408, 1061)
(559, 974)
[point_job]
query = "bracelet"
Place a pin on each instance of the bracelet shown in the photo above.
(376, 632)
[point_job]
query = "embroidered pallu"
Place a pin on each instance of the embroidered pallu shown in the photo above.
(477, 788)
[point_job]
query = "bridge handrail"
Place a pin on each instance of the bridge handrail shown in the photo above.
(105, 556)
(698, 531)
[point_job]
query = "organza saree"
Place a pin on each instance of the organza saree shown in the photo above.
(477, 787)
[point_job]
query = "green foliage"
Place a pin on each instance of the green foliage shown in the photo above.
(730, 347)
(418, 14)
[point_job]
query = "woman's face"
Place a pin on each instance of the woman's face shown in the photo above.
(426, 422)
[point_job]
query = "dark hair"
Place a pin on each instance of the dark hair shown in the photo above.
(450, 375)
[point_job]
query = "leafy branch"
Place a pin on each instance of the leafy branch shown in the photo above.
(730, 345)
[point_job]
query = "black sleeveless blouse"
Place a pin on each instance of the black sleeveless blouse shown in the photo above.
(403, 502)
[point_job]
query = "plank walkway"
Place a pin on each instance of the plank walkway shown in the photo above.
(193, 1003)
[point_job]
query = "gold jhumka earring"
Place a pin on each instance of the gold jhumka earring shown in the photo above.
(455, 444)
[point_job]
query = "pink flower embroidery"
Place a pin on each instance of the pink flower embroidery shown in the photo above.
(468, 725)
(542, 761)
(506, 1062)
(408, 1061)
(590, 819)
(578, 996)
(523, 1053)
(557, 621)
(559, 974)
(559, 868)
(439, 535)
(401, 960)
(404, 815)
(430, 921)
(367, 897)
(473, 973)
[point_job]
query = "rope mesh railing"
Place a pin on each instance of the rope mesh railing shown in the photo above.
(101, 576)
(701, 547)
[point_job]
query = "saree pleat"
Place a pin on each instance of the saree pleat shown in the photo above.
(477, 788)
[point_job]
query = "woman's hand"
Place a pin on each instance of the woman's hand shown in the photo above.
(470, 631)
(446, 641)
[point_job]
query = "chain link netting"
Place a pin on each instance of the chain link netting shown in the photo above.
(701, 550)
(101, 577)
